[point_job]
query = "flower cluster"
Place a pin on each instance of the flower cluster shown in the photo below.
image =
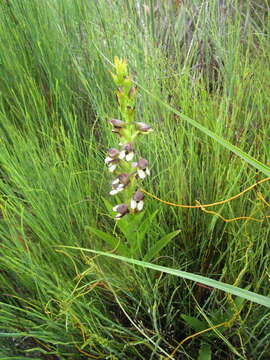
(129, 169)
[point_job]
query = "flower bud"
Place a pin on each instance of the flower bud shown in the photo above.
(120, 66)
(132, 92)
(131, 110)
(142, 127)
(117, 124)
(127, 82)
(122, 208)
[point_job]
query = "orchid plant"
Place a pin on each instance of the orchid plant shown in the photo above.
(128, 168)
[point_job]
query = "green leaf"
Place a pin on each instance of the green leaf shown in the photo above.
(231, 289)
(194, 323)
(205, 352)
(129, 226)
(109, 239)
(160, 244)
(146, 225)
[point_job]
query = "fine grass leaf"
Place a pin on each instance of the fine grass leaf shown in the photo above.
(160, 244)
(234, 290)
(242, 154)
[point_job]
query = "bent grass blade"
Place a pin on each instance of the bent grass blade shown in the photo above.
(248, 295)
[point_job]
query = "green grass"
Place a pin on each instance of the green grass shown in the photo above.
(203, 78)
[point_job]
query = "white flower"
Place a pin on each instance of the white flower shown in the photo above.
(119, 183)
(140, 205)
(116, 191)
(112, 159)
(112, 167)
(141, 173)
(142, 168)
(127, 152)
(122, 154)
(133, 204)
(136, 203)
(130, 156)
(113, 192)
(116, 188)
(108, 160)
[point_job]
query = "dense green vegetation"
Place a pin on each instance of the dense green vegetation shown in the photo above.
(202, 70)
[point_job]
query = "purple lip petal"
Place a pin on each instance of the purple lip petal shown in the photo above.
(124, 178)
(128, 147)
(122, 209)
(142, 164)
(113, 153)
(138, 196)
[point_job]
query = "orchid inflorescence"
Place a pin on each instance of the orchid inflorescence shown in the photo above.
(120, 161)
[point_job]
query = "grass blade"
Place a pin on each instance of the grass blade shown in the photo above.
(248, 295)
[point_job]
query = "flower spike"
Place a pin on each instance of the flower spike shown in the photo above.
(128, 174)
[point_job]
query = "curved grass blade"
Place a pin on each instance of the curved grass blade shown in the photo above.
(248, 295)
